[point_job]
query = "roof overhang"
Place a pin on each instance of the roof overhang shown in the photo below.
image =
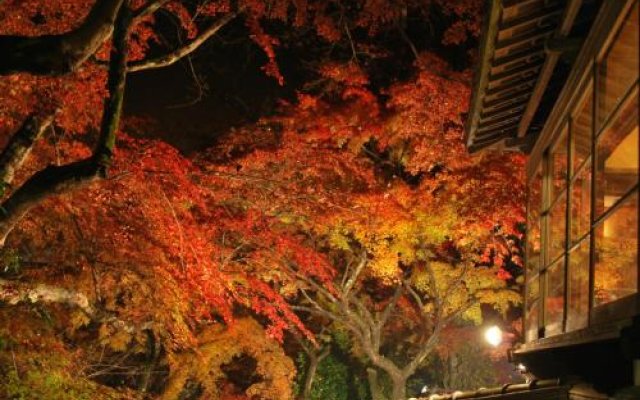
(520, 46)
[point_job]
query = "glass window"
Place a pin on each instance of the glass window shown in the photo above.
(557, 227)
(578, 287)
(533, 224)
(581, 203)
(619, 69)
(533, 288)
(559, 164)
(533, 247)
(554, 300)
(581, 127)
(595, 192)
(532, 300)
(531, 321)
(616, 253)
(617, 155)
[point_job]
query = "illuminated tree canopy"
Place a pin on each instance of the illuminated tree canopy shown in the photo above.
(349, 221)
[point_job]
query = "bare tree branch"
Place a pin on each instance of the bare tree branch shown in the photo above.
(361, 311)
(54, 179)
(323, 313)
(324, 292)
(13, 293)
(415, 295)
(456, 282)
(64, 53)
(315, 355)
(176, 55)
(378, 327)
(19, 147)
(59, 54)
(355, 274)
(149, 8)
(16, 292)
(314, 361)
(424, 351)
(311, 300)
(346, 273)
(388, 309)
(437, 300)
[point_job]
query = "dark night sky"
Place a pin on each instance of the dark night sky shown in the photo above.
(170, 97)
(228, 89)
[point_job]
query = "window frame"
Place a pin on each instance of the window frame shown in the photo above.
(588, 85)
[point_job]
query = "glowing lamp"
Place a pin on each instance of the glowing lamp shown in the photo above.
(493, 336)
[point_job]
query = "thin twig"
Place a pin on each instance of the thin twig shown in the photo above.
(354, 54)
(178, 54)
(15, 365)
(180, 233)
(149, 8)
(404, 37)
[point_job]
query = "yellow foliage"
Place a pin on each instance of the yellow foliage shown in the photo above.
(473, 314)
(78, 319)
(117, 340)
(219, 345)
(457, 286)
(338, 239)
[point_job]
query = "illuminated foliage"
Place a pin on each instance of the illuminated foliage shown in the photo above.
(156, 255)
(219, 346)
(408, 219)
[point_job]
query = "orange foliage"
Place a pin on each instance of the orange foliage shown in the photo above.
(173, 242)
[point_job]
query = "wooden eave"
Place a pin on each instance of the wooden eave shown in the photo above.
(547, 389)
(515, 67)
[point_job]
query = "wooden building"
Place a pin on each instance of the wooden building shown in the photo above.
(559, 81)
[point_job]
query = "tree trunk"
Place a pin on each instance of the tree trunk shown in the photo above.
(54, 180)
(308, 379)
(152, 354)
(314, 361)
(374, 387)
(399, 390)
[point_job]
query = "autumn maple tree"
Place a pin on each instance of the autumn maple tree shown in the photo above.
(355, 206)
(401, 228)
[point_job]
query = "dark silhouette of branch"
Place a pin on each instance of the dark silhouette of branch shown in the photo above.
(59, 54)
(149, 8)
(178, 54)
(53, 179)
(19, 147)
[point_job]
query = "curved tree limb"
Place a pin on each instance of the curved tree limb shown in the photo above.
(54, 180)
(383, 317)
(411, 367)
(65, 53)
(173, 57)
(149, 8)
(374, 385)
(351, 279)
(315, 358)
(16, 292)
(59, 54)
(19, 147)
(13, 293)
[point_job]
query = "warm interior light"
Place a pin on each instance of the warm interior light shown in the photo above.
(493, 336)
(624, 157)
